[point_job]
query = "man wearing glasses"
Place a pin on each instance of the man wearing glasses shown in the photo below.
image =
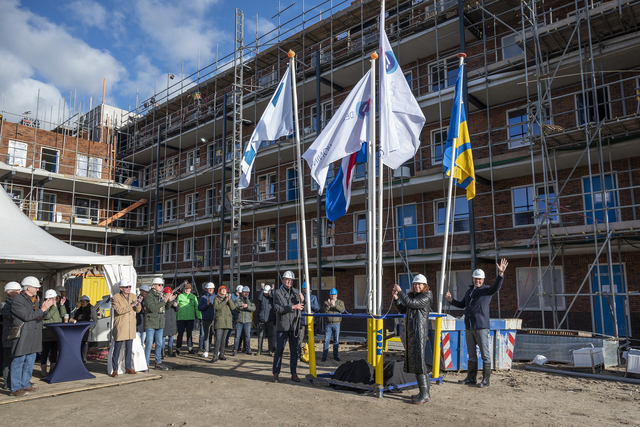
(125, 306)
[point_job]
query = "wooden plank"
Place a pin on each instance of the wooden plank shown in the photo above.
(123, 212)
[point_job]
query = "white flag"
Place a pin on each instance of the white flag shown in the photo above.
(276, 121)
(344, 134)
(401, 118)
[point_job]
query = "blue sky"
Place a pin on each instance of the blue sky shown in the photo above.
(65, 46)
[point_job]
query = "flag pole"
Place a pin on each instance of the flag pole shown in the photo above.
(461, 56)
(380, 205)
(303, 230)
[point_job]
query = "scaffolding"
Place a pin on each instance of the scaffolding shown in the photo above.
(553, 113)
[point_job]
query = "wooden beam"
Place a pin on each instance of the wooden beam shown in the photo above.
(123, 212)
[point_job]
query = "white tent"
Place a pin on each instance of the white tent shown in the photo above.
(26, 249)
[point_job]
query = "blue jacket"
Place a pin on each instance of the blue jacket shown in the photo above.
(207, 310)
(267, 312)
(315, 307)
(476, 304)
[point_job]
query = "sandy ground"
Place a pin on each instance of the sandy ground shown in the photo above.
(240, 392)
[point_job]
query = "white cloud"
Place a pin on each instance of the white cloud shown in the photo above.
(179, 29)
(88, 13)
(36, 53)
(265, 26)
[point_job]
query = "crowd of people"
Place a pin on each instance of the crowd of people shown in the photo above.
(157, 314)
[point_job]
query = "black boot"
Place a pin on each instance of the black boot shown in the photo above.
(472, 372)
(486, 374)
(85, 348)
(423, 386)
(163, 353)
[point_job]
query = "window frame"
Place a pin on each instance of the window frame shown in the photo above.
(606, 103)
(168, 252)
(325, 233)
(504, 48)
(535, 206)
(356, 295)
(437, 222)
(533, 278)
(188, 254)
(89, 208)
(91, 170)
(443, 130)
(356, 229)
(140, 256)
(267, 195)
(271, 239)
(190, 206)
(436, 65)
(57, 157)
(170, 209)
(294, 188)
(323, 114)
(13, 151)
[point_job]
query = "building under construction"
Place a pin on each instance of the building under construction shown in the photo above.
(553, 104)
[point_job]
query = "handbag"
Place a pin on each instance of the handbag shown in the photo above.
(15, 331)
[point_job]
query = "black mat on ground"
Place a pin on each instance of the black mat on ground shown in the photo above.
(361, 372)
(394, 374)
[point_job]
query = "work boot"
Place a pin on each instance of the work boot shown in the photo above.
(43, 370)
(472, 372)
(163, 354)
(423, 386)
(486, 374)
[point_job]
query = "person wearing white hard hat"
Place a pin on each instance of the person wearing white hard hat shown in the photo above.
(266, 319)
(416, 306)
(12, 289)
(86, 313)
(288, 303)
(476, 321)
(205, 306)
(244, 307)
(125, 306)
(55, 314)
(27, 315)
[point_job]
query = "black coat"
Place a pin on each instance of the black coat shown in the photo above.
(170, 324)
(267, 313)
(476, 304)
(416, 307)
(23, 310)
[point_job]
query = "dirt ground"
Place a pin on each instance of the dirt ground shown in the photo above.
(240, 392)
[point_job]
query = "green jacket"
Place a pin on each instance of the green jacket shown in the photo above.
(188, 304)
(337, 308)
(244, 314)
(155, 307)
(224, 319)
(55, 314)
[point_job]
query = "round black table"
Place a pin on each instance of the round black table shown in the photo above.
(69, 366)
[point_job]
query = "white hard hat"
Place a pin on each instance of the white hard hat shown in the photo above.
(12, 286)
(157, 281)
(209, 285)
(85, 298)
(50, 294)
(288, 275)
(478, 274)
(239, 288)
(61, 289)
(124, 283)
(31, 282)
(145, 288)
(419, 278)
(246, 289)
(267, 289)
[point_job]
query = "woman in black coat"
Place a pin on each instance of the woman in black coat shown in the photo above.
(416, 305)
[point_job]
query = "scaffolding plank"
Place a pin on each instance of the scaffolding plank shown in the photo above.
(122, 213)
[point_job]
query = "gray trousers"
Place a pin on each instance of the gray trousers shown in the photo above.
(482, 339)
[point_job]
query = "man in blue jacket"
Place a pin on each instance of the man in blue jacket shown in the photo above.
(476, 321)
(205, 305)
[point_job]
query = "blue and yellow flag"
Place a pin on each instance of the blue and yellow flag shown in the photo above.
(463, 170)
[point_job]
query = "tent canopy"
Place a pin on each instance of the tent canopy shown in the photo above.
(26, 248)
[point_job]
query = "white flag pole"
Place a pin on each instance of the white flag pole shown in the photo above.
(454, 150)
(303, 221)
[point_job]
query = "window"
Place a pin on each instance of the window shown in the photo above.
(188, 250)
(361, 170)
(208, 251)
(331, 173)
(267, 186)
(266, 239)
(192, 161)
(457, 282)
(438, 144)
(409, 77)
(328, 282)
(292, 240)
(603, 201)
(86, 210)
(407, 229)
(142, 216)
(144, 177)
(140, 256)
(328, 232)
(292, 184)
(214, 156)
(47, 208)
(227, 244)
(17, 154)
(509, 47)
(518, 127)
(552, 275)
(443, 74)
(326, 112)
(594, 111)
(170, 210)
(460, 217)
(91, 247)
(190, 204)
(525, 209)
(90, 167)
(360, 291)
(360, 227)
(49, 160)
(168, 250)
(209, 202)
(268, 79)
